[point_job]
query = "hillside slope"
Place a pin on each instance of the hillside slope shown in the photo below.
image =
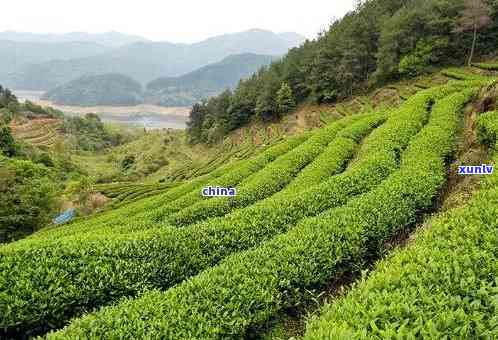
(106, 89)
(205, 82)
(308, 210)
(378, 42)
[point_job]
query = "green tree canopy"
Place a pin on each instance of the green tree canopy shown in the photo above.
(29, 198)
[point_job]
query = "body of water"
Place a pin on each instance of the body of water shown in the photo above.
(146, 116)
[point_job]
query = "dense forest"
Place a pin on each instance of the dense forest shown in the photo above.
(379, 41)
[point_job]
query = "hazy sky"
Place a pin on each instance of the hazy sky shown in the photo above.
(175, 21)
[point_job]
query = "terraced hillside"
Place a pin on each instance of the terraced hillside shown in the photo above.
(185, 162)
(442, 285)
(310, 210)
(41, 132)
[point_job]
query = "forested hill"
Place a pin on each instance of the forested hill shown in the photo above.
(379, 41)
(205, 82)
(107, 89)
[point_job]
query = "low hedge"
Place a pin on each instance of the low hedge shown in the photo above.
(249, 287)
(488, 67)
(189, 194)
(308, 150)
(458, 74)
(85, 271)
(135, 211)
(263, 184)
(443, 286)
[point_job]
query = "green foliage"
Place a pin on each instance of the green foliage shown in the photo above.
(88, 133)
(164, 251)
(8, 145)
(285, 99)
(34, 110)
(433, 288)
(484, 66)
(422, 57)
(127, 162)
(107, 89)
(248, 288)
(379, 41)
(6, 98)
(45, 159)
(28, 198)
(487, 128)
(457, 74)
(185, 195)
(194, 237)
(263, 183)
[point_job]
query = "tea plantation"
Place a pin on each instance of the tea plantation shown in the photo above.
(168, 263)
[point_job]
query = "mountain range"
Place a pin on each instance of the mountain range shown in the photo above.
(111, 39)
(205, 82)
(118, 90)
(46, 65)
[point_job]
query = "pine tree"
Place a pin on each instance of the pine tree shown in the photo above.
(285, 99)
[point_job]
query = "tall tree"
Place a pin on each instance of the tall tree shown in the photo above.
(475, 16)
(285, 99)
(194, 125)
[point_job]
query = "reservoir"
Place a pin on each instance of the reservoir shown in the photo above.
(144, 115)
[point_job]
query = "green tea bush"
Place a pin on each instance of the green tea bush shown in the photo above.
(326, 136)
(487, 127)
(261, 184)
(176, 255)
(135, 211)
(443, 286)
(488, 67)
(289, 205)
(48, 280)
(457, 74)
(487, 132)
(93, 271)
(249, 287)
(346, 141)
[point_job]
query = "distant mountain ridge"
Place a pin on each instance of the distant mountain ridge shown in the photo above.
(16, 55)
(205, 82)
(110, 39)
(121, 90)
(145, 60)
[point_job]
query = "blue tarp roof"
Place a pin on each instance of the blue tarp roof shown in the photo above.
(65, 217)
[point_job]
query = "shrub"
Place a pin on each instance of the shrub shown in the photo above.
(234, 172)
(130, 263)
(433, 288)
(249, 287)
